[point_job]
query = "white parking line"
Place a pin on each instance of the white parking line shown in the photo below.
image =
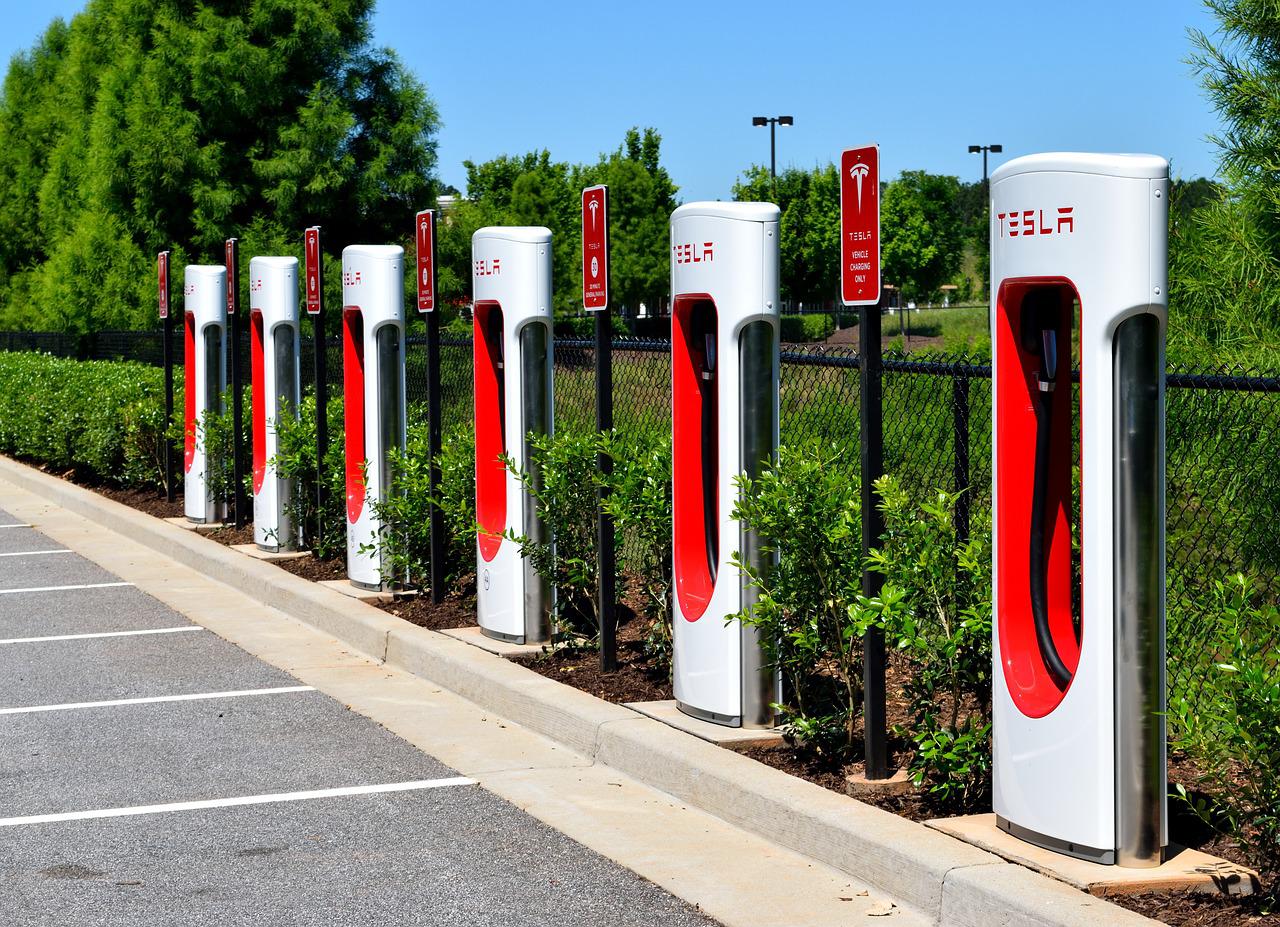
(62, 588)
(16, 526)
(35, 553)
(81, 637)
(194, 697)
(416, 785)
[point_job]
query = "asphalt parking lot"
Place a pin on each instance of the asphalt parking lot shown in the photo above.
(156, 774)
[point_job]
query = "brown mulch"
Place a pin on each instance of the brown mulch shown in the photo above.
(231, 535)
(454, 612)
(314, 569)
(150, 501)
(1190, 910)
(637, 679)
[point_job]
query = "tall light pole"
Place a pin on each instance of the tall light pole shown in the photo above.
(773, 122)
(993, 149)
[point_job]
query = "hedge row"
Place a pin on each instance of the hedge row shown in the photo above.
(104, 419)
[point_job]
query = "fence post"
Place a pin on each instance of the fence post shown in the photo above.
(435, 432)
(874, 722)
(170, 491)
(960, 425)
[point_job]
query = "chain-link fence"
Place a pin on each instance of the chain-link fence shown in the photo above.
(1223, 441)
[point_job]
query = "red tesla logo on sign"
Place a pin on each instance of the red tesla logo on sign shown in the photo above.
(232, 276)
(425, 230)
(860, 226)
(312, 249)
(162, 278)
(595, 248)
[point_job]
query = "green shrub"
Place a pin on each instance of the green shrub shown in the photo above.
(807, 509)
(812, 326)
(457, 501)
(639, 501)
(562, 476)
(584, 326)
(296, 460)
(103, 419)
(1233, 729)
(935, 609)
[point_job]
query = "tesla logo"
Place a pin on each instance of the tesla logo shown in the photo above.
(593, 205)
(859, 173)
(1032, 222)
(693, 253)
(350, 278)
(488, 267)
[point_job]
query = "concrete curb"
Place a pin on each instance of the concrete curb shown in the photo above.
(947, 880)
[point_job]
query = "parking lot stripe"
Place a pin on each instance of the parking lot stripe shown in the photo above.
(81, 637)
(35, 553)
(16, 526)
(62, 588)
(194, 697)
(413, 786)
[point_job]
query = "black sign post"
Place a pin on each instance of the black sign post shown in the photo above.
(314, 283)
(162, 273)
(237, 411)
(425, 236)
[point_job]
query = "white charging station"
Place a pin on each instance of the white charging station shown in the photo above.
(1079, 248)
(373, 395)
(274, 362)
(511, 286)
(204, 290)
(724, 379)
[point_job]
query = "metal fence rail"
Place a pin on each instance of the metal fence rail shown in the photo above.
(1223, 441)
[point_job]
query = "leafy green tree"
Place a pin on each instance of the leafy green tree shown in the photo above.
(921, 233)
(532, 189)
(1224, 268)
(809, 228)
(141, 125)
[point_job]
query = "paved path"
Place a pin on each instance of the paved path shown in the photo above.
(152, 773)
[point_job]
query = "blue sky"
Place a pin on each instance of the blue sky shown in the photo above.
(924, 79)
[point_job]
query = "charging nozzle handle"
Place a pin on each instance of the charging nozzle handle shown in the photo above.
(1039, 572)
(710, 474)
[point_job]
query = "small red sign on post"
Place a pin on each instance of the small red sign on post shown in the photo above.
(162, 279)
(425, 232)
(860, 226)
(233, 274)
(595, 248)
(312, 253)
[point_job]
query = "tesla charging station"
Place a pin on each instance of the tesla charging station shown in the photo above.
(1079, 687)
(373, 393)
(724, 354)
(274, 339)
(511, 286)
(204, 290)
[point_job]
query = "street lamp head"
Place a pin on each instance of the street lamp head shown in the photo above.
(759, 121)
(996, 149)
(786, 120)
(974, 149)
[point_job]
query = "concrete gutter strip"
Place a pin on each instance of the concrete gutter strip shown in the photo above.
(951, 882)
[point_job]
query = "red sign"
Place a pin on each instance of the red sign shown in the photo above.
(162, 278)
(860, 226)
(425, 231)
(595, 248)
(312, 249)
(233, 275)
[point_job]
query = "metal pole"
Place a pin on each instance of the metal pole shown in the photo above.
(237, 412)
(170, 490)
(773, 153)
(604, 522)
(960, 426)
(872, 447)
(322, 398)
(434, 433)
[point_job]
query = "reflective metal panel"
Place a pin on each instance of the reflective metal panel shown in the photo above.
(1138, 365)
